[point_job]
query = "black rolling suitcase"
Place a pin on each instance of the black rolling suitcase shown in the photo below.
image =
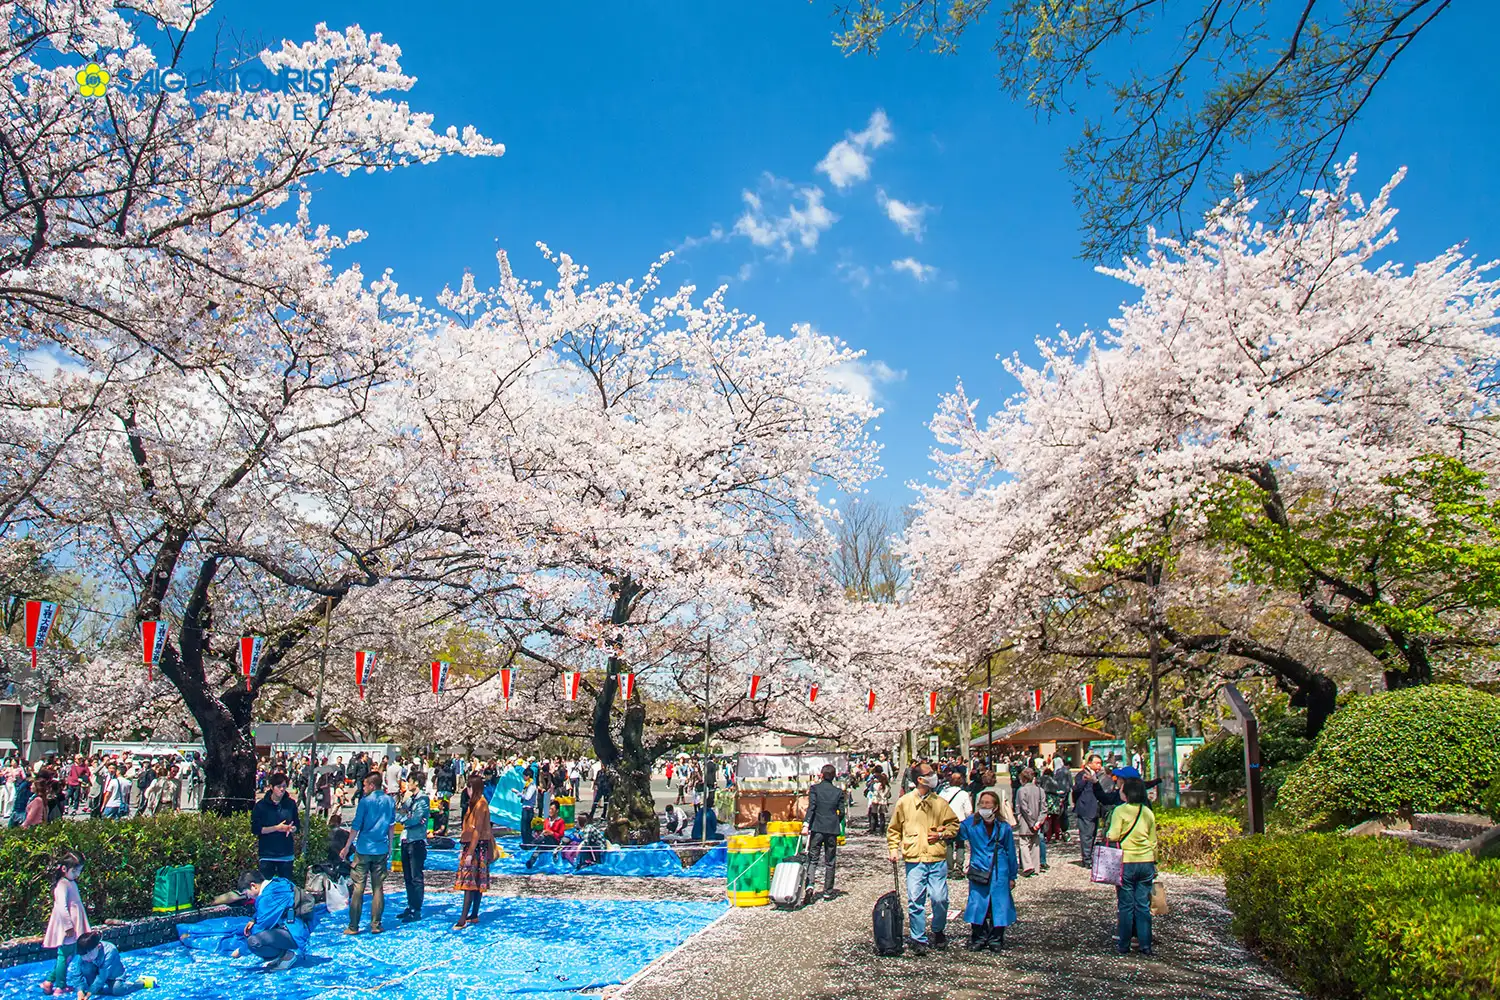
(890, 922)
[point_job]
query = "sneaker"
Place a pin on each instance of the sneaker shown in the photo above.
(918, 948)
(285, 962)
(940, 940)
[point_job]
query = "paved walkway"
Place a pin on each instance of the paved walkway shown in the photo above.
(1062, 949)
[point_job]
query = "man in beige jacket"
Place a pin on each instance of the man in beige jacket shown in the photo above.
(921, 826)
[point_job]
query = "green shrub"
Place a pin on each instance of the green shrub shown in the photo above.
(1190, 839)
(1218, 766)
(1427, 749)
(122, 858)
(1367, 916)
(1489, 800)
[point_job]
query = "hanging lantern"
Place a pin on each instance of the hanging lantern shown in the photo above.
(870, 701)
(364, 663)
(754, 689)
(570, 685)
(1086, 695)
(505, 683)
(627, 686)
(932, 702)
(1036, 699)
(250, 648)
(984, 703)
(439, 676)
(153, 641)
(40, 616)
(812, 694)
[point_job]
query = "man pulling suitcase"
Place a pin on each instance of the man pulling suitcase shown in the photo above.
(825, 813)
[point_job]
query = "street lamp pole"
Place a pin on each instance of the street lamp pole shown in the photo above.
(989, 722)
(312, 761)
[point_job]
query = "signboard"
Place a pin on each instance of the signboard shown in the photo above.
(787, 765)
(932, 746)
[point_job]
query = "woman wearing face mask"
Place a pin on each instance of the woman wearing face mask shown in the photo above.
(992, 874)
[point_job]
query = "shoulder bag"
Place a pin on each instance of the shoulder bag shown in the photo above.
(981, 876)
(1109, 860)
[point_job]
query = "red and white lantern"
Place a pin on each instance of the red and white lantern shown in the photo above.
(364, 663)
(250, 649)
(1036, 699)
(153, 641)
(570, 685)
(812, 694)
(505, 683)
(439, 676)
(1086, 695)
(870, 701)
(932, 700)
(754, 689)
(984, 703)
(40, 616)
(627, 686)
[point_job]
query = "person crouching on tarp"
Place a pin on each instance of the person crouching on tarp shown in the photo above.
(282, 924)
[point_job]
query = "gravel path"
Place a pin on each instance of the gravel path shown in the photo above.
(1063, 947)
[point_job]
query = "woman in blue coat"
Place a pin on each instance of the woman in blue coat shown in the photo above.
(992, 849)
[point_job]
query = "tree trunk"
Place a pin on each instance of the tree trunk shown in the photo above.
(632, 811)
(1414, 667)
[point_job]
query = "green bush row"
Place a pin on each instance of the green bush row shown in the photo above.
(1189, 840)
(122, 857)
(1368, 917)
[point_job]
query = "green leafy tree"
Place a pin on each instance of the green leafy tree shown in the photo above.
(1406, 579)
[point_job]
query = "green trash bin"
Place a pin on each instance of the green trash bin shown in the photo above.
(172, 889)
(185, 887)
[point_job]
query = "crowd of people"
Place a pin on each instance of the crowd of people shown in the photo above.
(111, 786)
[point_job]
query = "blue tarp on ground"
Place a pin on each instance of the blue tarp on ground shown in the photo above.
(522, 947)
(655, 860)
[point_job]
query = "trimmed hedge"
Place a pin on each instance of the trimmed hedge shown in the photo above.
(1190, 839)
(1368, 916)
(122, 857)
(1489, 801)
(1425, 749)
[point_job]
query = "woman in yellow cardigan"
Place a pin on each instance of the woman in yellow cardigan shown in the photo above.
(1133, 827)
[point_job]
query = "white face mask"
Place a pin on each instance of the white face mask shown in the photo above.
(929, 782)
(985, 812)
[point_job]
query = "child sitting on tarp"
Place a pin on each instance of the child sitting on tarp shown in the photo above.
(282, 924)
(98, 971)
(592, 843)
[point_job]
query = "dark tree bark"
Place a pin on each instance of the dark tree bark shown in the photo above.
(631, 806)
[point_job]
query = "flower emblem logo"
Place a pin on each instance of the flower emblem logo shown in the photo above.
(92, 80)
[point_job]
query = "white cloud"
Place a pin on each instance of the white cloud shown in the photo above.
(914, 267)
(856, 274)
(793, 225)
(848, 161)
(863, 378)
(907, 217)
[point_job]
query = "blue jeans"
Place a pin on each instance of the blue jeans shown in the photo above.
(1133, 898)
(924, 879)
(1042, 840)
(114, 812)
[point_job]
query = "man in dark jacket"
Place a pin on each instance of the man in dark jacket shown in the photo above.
(825, 811)
(1088, 805)
(273, 820)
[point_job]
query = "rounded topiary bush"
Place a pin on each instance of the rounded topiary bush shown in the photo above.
(1425, 749)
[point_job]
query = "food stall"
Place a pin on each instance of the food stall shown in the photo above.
(778, 783)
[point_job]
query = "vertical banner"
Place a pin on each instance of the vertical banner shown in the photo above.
(932, 702)
(812, 694)
(984, 703)
(439, 676)
(570, 685)
(505, 683)
(754, 687)
(153, 641)
(627, 686)
(39, 618)
(1036, 699)
(1086, 695)
(870, 701)
(250, 649)
(364, 663)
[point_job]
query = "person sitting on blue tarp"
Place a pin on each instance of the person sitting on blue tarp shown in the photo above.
(592, 842)
(98, 971)
(282, 924)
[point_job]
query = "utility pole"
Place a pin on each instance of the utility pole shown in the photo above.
(708, 671)
(312, 761)
(989, 722)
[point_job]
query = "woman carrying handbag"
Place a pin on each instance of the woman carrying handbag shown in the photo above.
(992, 874)
(1133, 827)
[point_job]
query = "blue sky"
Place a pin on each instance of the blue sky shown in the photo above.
(636, 129)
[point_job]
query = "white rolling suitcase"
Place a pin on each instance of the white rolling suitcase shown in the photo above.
(789, 882)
